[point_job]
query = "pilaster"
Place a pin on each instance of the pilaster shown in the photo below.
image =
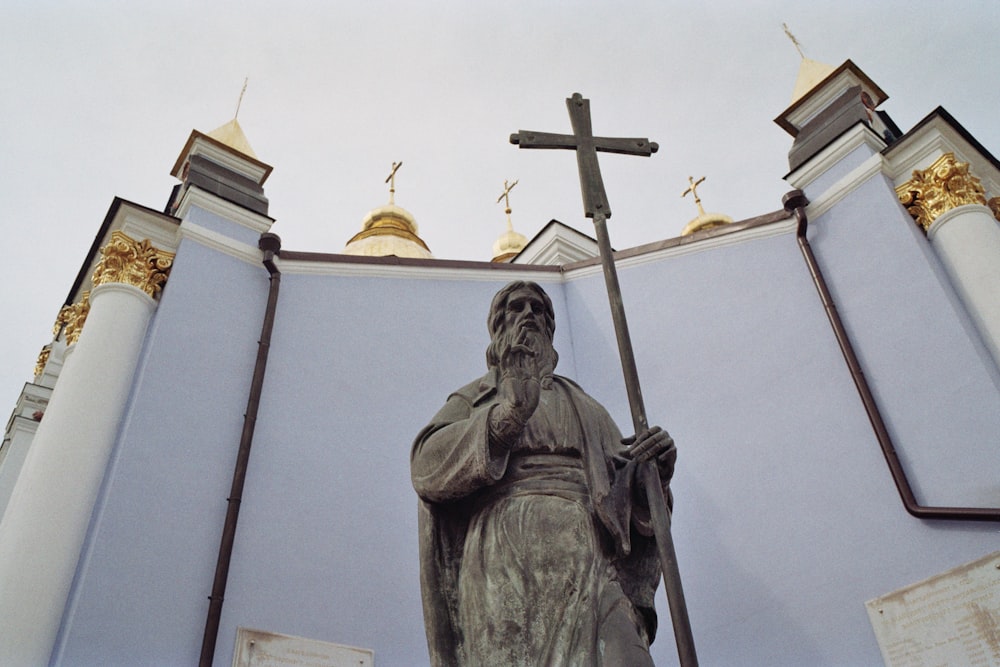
(45, 524)
(950, 204)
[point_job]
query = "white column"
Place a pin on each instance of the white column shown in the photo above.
(43, 530)
(967, 240)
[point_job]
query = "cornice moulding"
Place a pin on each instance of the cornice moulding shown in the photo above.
(220, 242)
(934, 138)
(199, 143)
(195, 196)
(812, 103)
(417, 272)
(859, 135)
(626, 260)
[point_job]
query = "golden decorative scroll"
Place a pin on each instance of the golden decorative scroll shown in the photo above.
(136, 263)
(71, 318)
(43, 358)
(945, 185)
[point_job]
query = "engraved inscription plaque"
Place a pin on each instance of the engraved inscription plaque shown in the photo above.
(950, 619)
(256, 648)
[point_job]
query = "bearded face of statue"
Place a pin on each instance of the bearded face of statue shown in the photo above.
(522, 320)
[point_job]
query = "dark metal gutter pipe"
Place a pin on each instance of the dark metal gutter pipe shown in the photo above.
(270, 244)
(795, 203)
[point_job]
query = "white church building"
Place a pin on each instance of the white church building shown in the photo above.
(216, 440)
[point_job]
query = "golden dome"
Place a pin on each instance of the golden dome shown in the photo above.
(706, 221)
(388, 230)
(508, 245)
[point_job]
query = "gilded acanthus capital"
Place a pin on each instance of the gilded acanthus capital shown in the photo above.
(135, 263)
(71, 318)
(945, 185)
(43, 358)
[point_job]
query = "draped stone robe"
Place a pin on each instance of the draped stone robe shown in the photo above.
(523, 553)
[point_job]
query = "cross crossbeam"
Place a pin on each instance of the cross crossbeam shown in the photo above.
(586, 145)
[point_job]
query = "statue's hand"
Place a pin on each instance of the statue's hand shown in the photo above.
(520, 384)
(653, 443)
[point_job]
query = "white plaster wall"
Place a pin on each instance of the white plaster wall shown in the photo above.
(923, 357)
(140, 594)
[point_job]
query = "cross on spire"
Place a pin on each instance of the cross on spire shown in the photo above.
(506, 194)
(795, 42)
(391, 180)
(239, 102)
(506, 199)
(693, 189)
(586, 145)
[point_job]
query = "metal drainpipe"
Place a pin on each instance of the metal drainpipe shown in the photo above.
(795, 202)
(270, 244)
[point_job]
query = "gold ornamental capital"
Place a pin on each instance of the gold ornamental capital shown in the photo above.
(945, 185)
(71, 318)
(136, 263)
(43, 358)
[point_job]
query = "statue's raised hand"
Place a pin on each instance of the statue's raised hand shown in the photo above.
(520, 382)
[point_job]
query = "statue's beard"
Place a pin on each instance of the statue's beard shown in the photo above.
(537, 342)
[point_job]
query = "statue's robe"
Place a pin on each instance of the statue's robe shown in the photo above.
(611, 558)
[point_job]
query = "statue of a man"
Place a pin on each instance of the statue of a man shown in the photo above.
(535, 541)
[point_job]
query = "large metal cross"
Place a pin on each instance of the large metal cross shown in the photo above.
(595, 206)
(595, 201)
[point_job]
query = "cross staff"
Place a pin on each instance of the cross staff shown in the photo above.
(595, 206)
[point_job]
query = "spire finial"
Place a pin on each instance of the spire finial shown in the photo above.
(693, 189)
(795, 42)
(391, 180)
(506, 197)
(510, 243)
(240, 101)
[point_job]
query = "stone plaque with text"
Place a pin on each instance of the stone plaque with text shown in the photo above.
(256, 648)
(950, 619)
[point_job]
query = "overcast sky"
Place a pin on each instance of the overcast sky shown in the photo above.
(98, 98)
